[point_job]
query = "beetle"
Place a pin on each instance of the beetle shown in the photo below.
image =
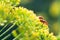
(42, 20)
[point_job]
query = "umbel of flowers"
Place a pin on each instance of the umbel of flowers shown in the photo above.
(28, 24)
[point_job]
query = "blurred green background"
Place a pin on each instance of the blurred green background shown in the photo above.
(49, 9)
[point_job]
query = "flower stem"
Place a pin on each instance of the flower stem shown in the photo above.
(8, 29)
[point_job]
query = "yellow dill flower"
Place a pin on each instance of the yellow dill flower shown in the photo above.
(35, 34)
(14, 33)
(52, 37)
(11, 2)
(6, 10)
(28, 24)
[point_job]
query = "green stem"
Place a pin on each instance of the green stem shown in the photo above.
(3, 27)
(6, 37)
(17, 37)
(7, 29)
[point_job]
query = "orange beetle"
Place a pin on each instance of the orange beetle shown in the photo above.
(42, 20)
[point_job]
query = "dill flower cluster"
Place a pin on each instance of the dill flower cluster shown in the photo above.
(11, 2)
(28, 24)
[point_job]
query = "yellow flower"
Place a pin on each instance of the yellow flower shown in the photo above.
(6, 10)
(14, 33)
(35, 34)
(54, 10)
